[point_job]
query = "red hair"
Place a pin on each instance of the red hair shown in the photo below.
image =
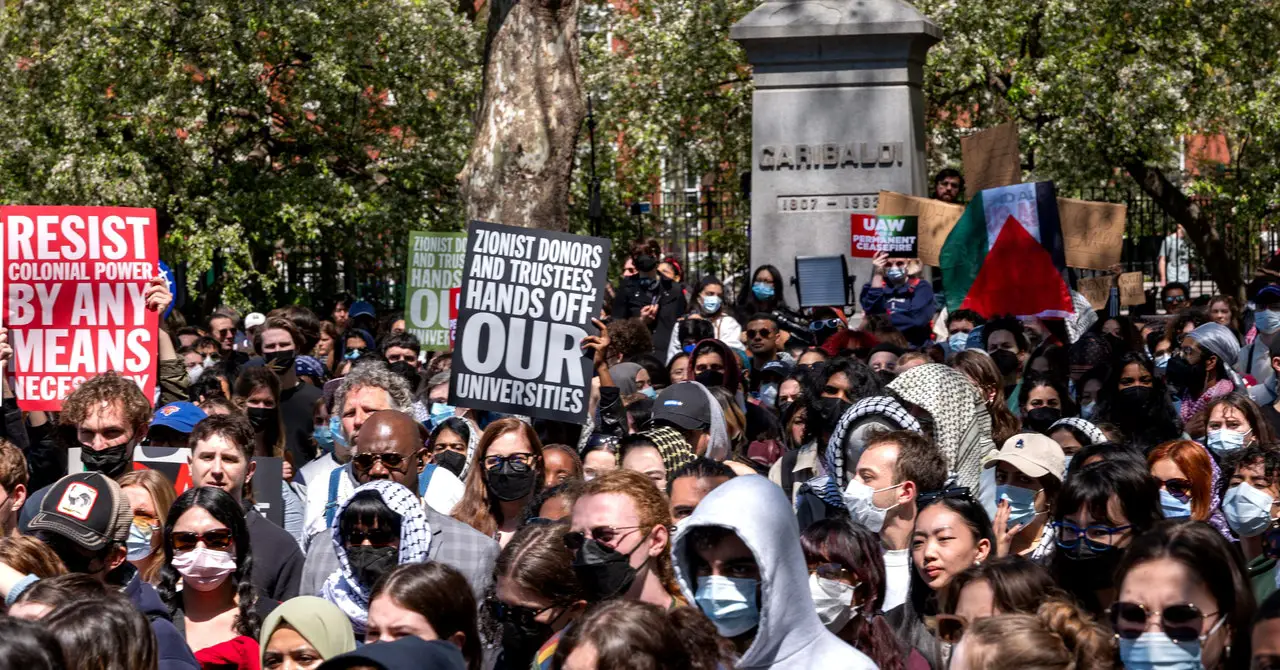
(1194, 462)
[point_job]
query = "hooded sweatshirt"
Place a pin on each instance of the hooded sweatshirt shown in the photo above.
(789, 635)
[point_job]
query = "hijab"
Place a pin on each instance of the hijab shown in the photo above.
(624, 377)
(317, 620)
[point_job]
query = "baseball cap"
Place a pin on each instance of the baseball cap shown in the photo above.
(683, 405)
(780, 368)
(1032, 453)
(1267, 295)
(180, 416)
(254, 319)
(87, 508)
(360, 308)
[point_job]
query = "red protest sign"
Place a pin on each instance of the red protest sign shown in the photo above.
(72, 284)
(455, 294)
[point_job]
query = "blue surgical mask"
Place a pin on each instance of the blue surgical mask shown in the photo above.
(762, 291)
(1157, 651)
(1172, 507)
(895, 275)
(649, 392)
(1225, 440)
(1162, 362)
(1086, 412)
(440, 412)
(335, 429)
(353, 354)
(1022, 503)
(139, 542)
(958, 342)
(323, 436)
(769, 394)
(730, 603)
(710, 304)
(1267, 321)
(1247, 509)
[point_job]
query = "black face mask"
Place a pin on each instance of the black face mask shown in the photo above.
(369, 564)
(645, 262)
(452, 461)
(1185, 376)
(280, 362)
(510, 481)
(1118, 345)
(886, 377)
(1133, 399)
(522, 636)
(1088, 570)
(710, 378)
(264, 420)
(603, 572)
(1040, 418)
(1006, 360)
(111, 462)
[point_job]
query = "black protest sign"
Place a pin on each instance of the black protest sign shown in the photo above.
(528, 297)
(174, 463)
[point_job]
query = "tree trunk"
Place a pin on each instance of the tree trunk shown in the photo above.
(1225, 270)
(530, 114)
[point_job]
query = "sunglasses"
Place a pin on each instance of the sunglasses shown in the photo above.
(377, 537)
(950, 627)
(390, 460)
(1182, 623)
(574, 540)
(218, 539)
(824, 324)
(1174, 299)
(521, 617)
(765, 333)
(927, 497)
(1179, 488)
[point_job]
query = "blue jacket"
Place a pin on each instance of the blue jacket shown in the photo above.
(909, 306)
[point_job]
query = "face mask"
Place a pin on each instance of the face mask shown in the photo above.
(1247, 509)
(204, 569)
(603, 572)
(440, 412)
(1225, 440)
(710, 304)
(1087, 570)
(452, 461)
(264, 419)
(1022, 503)
(210, 361)
(510, 481)
(833, 600)
(857, 498)
(521, 641)
(323, 437)
(353, 354)
(1267, 321)
(193, 375)
(730, 603)
(649, 392)
(111, 462)
(139, 542)
(1152, 651)
(762, 291)
(280, 362)
(958, 342)
(1185, 376)
(1041, 418)
(645, 262)
(1006, 360)
(769, 394)
(1162, 362)
(1086, 412)
(369, 564)
(1172, 507)
(1066, 466)
(335, 429)
(1133, 399)
(710, 378)
(895, 275)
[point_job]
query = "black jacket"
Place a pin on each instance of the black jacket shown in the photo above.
(636, 293)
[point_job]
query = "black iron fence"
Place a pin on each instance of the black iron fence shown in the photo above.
(707, 230)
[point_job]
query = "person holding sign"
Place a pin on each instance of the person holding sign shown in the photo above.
(896, 289)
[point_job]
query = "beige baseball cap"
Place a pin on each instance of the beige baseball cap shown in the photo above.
(1032, 453)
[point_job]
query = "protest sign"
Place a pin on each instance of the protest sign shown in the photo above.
(892, 234)
(73, 285)
(991, 159)
(1093, 232)
(934, 220)
(528, 297)
(1096, 289)
(174, 464)
(435, 268)
(1132, 292)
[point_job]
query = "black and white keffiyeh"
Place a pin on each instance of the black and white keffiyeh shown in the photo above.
(1090, 431)
(884, 407)
(962, 426)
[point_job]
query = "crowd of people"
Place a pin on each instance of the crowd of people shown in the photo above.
(755, 486)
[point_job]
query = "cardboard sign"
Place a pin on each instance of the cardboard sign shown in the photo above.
(73, 284)
(528, 297)
(173, 463)
(991, 159)
(1096, 289)
(1093, 232)
(892, 234)
(1132, 291)
(934, 220)
(434, 268)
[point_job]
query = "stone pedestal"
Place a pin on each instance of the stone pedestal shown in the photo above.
(838, 116)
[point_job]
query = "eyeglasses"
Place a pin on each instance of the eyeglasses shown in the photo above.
(1096, 538)
(377, 537)
(389, 460)
(1182, 623)
(573, 540)
(519, 460)
(1179, 488)
(823, 324)
(765, 333)
(146, 523)
(950, 627)
(835, 572)
(1174, 299)
(217, 539)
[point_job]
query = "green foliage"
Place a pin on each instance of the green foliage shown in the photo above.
(251, 127)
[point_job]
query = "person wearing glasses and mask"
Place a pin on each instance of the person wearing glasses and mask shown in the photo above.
(505, 476)
(1182, 601)
(538, 594)
(896, 289)
(1200, 370)
(207, 548)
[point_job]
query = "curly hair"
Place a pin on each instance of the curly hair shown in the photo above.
(379, 375)
(630, 338)
(107, 389)
(652, 509)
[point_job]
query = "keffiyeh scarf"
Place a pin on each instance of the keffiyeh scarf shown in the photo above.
(962, 426)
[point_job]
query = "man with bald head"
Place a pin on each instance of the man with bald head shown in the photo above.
(392, 446)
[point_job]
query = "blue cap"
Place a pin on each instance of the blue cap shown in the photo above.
(180, 416)
(360, 308)
(1267, 295)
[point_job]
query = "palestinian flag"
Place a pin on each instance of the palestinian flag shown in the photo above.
(1006, 254)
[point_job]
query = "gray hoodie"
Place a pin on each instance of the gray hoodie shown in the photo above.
(790, 635)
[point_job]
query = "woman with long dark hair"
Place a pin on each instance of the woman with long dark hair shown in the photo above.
(504, 475)
(1043, 400)
(257, 392)
(1136, 400)
(982, 371)
(429, 600)
(206, 548)
(708, 304)
(763, 292)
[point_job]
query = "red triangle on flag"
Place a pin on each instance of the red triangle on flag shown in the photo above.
(1017, 277)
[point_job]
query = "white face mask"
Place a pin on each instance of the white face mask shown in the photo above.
(833, 600)
(857, 497)
(204, 569)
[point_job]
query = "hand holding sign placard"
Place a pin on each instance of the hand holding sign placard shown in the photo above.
(528, 297)
(75, 289)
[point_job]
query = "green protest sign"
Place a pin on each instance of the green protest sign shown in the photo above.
(435, 267)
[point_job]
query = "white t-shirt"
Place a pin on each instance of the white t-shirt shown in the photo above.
(444, 491)
(897, 577)
(1177, 257)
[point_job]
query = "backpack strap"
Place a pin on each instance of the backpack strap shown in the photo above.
(331, 507)
(424, 479)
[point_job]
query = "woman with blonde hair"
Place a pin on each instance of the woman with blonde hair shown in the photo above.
(1059, 636)
(504, 475)
(150, 495)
